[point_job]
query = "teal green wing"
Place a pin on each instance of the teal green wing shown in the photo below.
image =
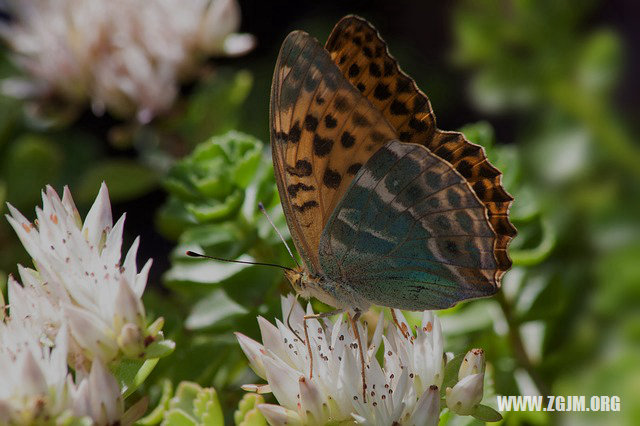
(410, 233)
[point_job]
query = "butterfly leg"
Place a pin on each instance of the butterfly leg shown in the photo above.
(401, 327)
(354, 325)
(289, 321)
(306, 333)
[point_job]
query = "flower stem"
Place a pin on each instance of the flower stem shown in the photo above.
(515, 339)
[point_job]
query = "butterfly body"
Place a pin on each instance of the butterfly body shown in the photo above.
(383, 207)
(334, 293)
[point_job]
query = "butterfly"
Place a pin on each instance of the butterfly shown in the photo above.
(383, 207)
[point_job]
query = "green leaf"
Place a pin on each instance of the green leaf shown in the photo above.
(126, 180)
(135, 411)
(247, 413)
(193, 404)
(451, 373)
(203, 272)
(207, 407)
(177, 417)
(214, 308)
(220, 239)
(534, 256)
(209, 185)
(486, 414)
(214, 210)
(132, 373)
(215, 106)
(480, 133)
(30, 163)
(159, 349)
(186, 394)
(156, 415)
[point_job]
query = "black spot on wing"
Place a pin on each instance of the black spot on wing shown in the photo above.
(354, 70)
(403, 84)
(330, 122)
(376, 136)
(295, 133)
(374, 70)
(405, 136)
(341, 104)
(321, 146)
(347, 140)
(310, 123)
(305, 206)
(388, 68)
(418, 125)
(295, 188)
(331, 178)
(353, 169)
(382, 92)
(303, 168)
(359, 120)
(398, 108)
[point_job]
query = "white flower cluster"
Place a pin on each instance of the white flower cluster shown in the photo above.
(80, 305)
(406, 390)
(125, 56)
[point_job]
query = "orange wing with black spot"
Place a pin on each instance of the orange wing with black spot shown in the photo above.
(364, 59)
(322, 131)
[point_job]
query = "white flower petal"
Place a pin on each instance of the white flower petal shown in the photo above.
(279, 416)
(376, 339)
(261, 389)
(111, 252)
(130, 308)
(91, 332)
(141, 278)
(129, 265)
(33, 381)
(98, 220)
(107, 405)
(78, 267)
(254, 351)
(70, 207)
(335, 391)
(427, 411)
(473, 363)
(283, 380)
(311, 401)
(238, 44)
(466, 394)
(273, 340)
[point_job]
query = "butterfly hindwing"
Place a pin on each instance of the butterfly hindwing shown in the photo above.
(364, 59)
(410, 233)
(322, 130)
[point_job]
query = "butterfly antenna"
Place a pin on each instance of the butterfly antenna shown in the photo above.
(264, 211)
(244, 262)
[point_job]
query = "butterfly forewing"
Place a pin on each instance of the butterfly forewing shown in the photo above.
(363, 58)
(410, 233)
(323, 130)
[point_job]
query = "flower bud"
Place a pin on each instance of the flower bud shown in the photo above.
(466, 394)
(473, 363)
(130, 340)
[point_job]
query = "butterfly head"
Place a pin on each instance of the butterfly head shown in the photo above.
(299, 279)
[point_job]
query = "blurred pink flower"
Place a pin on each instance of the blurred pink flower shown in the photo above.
(123, 56)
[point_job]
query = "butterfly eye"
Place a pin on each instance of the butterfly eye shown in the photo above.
(295, 278)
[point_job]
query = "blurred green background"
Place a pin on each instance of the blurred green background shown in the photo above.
(550, 89)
